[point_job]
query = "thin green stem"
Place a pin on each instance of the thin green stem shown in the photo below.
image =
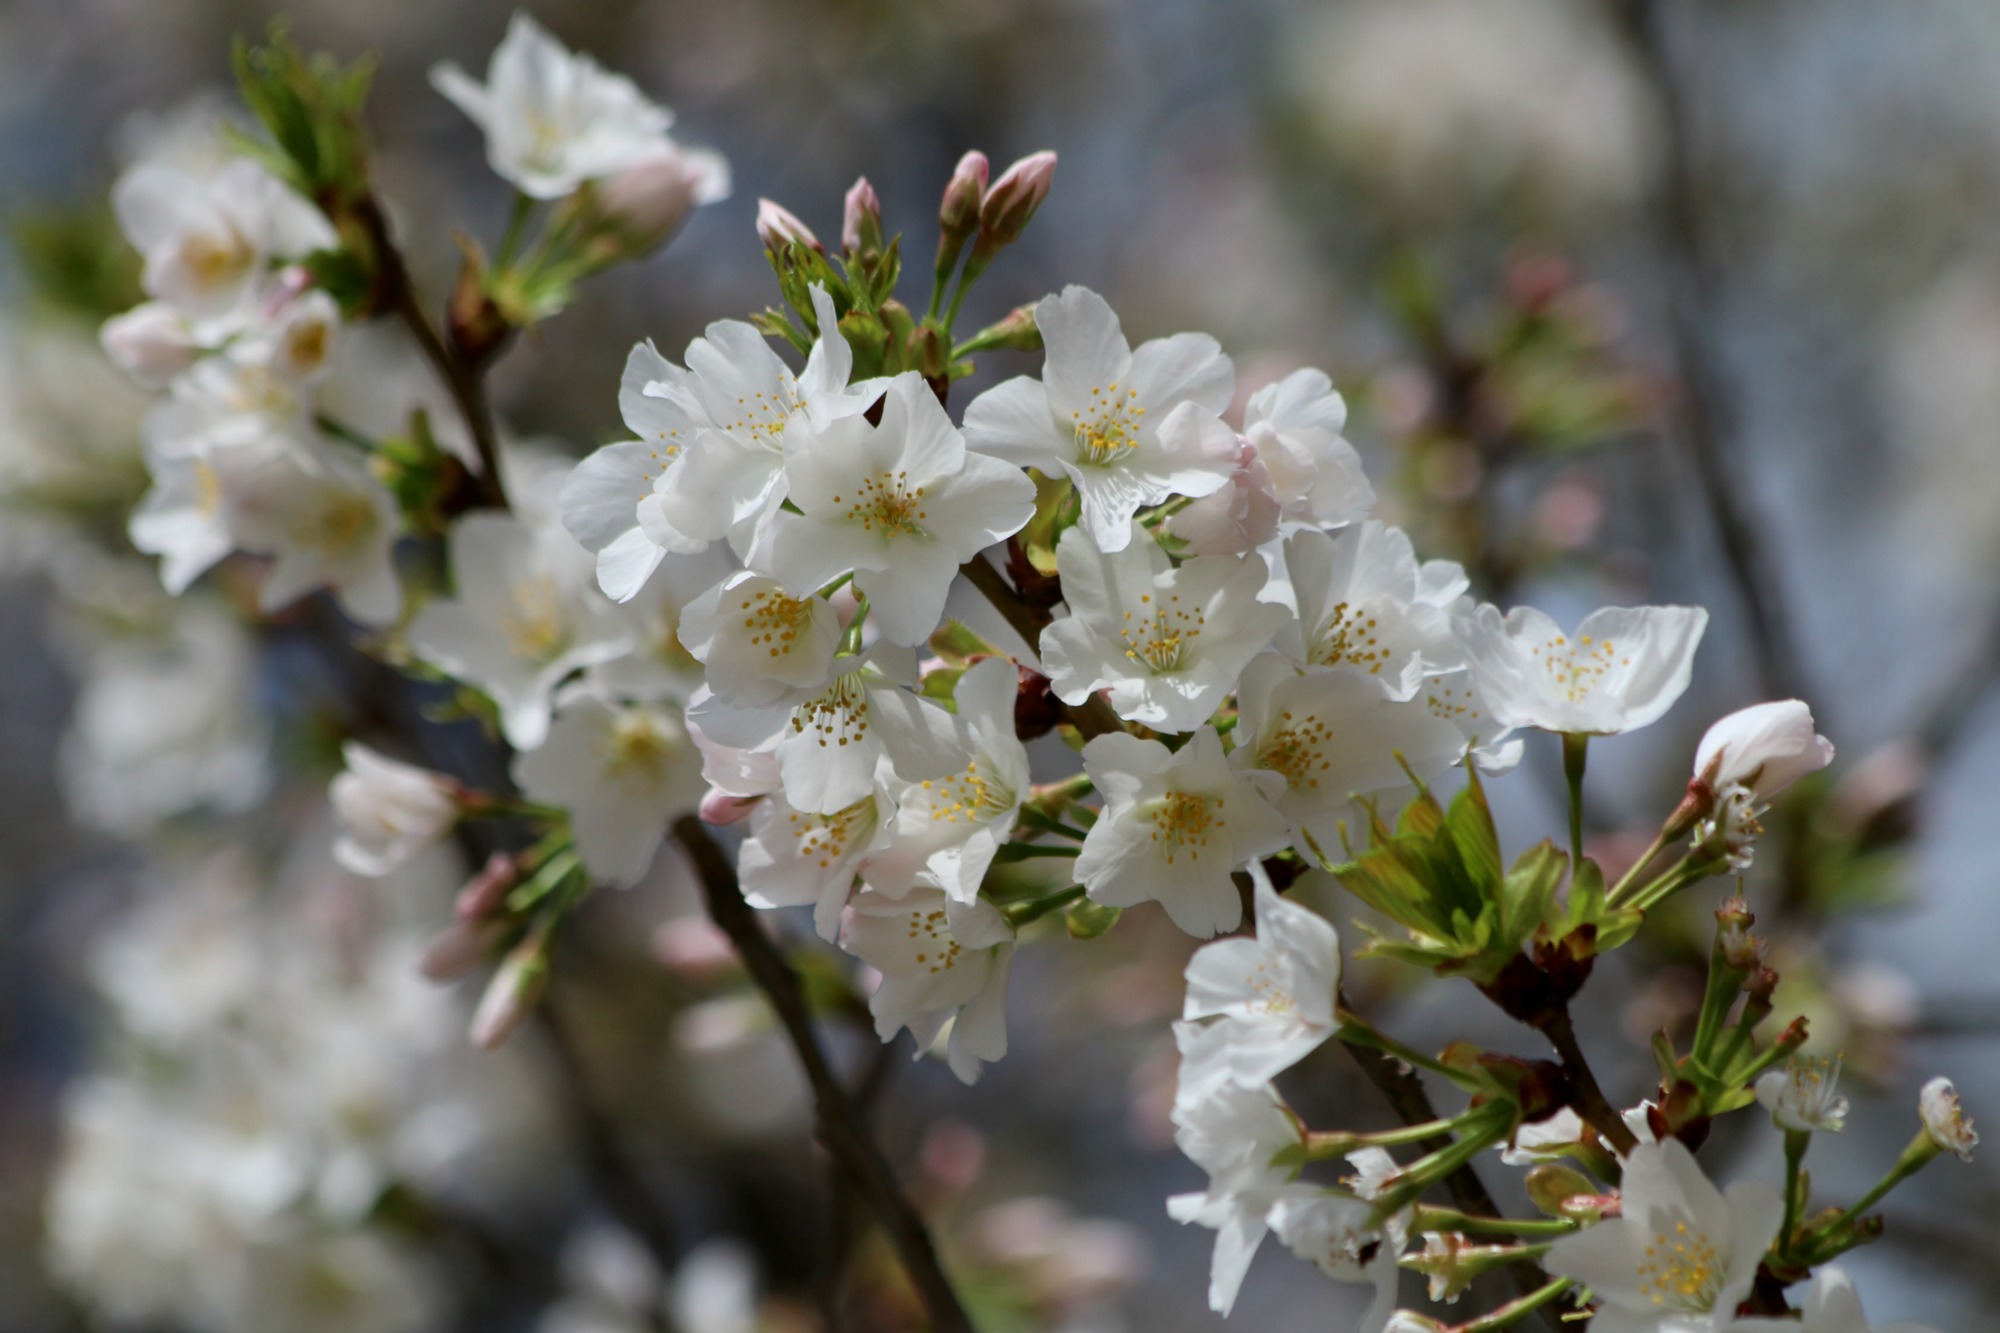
(850, 638)
(1436, 1217)
(1020, 914)
(1632, 872)
(1576, 752)
(1918, 1155)
(340, 430)
(1796, 1143)
(835, 586)
(1514, 1311)
(1356, 1030)
(517, 223)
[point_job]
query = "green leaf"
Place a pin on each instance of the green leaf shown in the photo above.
(1529, 891)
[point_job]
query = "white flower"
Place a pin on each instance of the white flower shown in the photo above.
(323, 518)
(1232, 1132)
(1240, 517)
(1334, 1233)
(1830, 1307)
(604, 497)
(952, 826)
(1766, 748)
(388, 811)
(1104, 415)
(901, 505)
(1623, 668)
(796, 858)
(730, 479)
(296, 342)
(152, 343)
(623, 772)
(1334, 737)
(1683, 1255)
(1367, 606)
(524, 618)
(760, 645)
(180, 518)
(1294, 425)
(659, 665)
(650, 199)
(1801, 1096)
(941, 961)
(209, 246)
(1945, 1120)
(554, 120)
(1545, 1140)
(830, 746)
(1167, 642)
(1273, 996)
(1175, 824)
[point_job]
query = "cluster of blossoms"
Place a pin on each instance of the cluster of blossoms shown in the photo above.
(809, 604)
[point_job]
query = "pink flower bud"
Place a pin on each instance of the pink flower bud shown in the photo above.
(511, 996)
(460, 947)
(1012, 201)
(484, 892)
(719, 807)
(861, 223)
(152, 343)
(650, 200)
(963, 194)
(777, 228)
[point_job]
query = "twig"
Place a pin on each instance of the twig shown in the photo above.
(1404, 1091)
(840, 1190)
(1706, 416)
(463, 380)
(838, 1122)
(1592, 1104)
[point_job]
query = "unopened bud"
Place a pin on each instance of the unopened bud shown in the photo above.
(460, 947)
(512, 994)
(1552, 1185)
(1009, 206)
(648, 201)
(926, 353)
(152, 343)
(778, 228)
(719, 807)
(1018, 332)
(484, 892)
(1945, 1119)
(958, 215)
(861, 222)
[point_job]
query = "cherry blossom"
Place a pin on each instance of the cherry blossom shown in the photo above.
(942, 961)
(1621, 669)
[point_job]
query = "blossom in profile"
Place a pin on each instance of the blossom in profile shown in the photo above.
(1622, 668)
(1103, 414)
(941, 961)
(388, 811)
(1232, 1132)
(1945, 1119)
(554, 119)
(1764, 748)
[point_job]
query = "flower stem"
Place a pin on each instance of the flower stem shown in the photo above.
(1576, 752)
(1796, 1143)
(1020, 914)
(517, 222)
(1516, 1310)
(1436, 1217)
(1918, 1155)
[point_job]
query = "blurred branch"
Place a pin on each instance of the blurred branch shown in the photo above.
(1707, 417)
(841, 1126)
(842, 1190)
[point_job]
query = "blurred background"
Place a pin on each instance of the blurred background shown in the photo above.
(1700, 305)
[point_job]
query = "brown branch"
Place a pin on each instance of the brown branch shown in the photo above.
(463, 378)
(1591, 1103)
(1404, 1091)
(1707, 414)
(839, 1123)
(1092, 717)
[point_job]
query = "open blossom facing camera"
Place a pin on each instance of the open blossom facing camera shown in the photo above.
(1620, 670)
(1802, 1096)
(1103, 415)
(1175, 825)
(623, 772)
(941, 962)
(1367, 606)
(1683, 1254)
(554, 120)
(900, 505)
(1166, 642)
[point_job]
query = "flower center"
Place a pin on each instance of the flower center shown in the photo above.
(1681, 1270)
(1347, 638)
(1182, 821)
(766, 414)
(339, 524)
(774, 620)
(888, 506)
(966, 797)
(1272, 997)
(1164, 641)
(838, 715)
(827, 839)
(1576, 669)
(215, 259)
(533, 623)
(641, 747)
(1110, 430)
(929, 933)
(1297, 750)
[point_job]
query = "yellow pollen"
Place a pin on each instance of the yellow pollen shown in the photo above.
(1681, 1271)
(838, 715)
(774, 620)
(1110, 431)
(1576, 670)
(1181, 823)
(533, 622)
(1162, 643)
(1347, 638)
(826, 839)
(888, 506)
(1297, 751)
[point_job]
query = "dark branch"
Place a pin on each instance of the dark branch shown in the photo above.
(839, 1122)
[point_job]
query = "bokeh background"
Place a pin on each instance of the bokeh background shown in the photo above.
(1698, 305)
